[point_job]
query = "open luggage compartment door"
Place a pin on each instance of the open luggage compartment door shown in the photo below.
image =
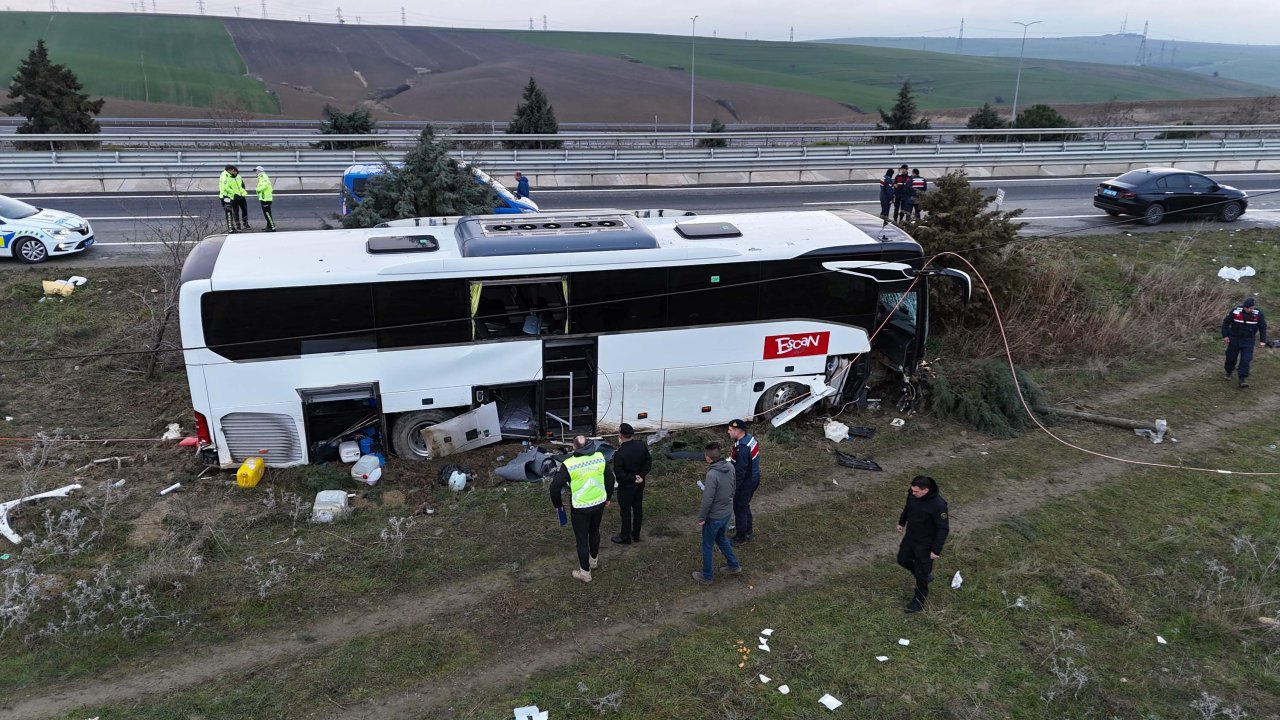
(468, 431)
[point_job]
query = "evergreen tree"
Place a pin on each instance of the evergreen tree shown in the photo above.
(959, 218)
(534, 116)
(985, 119)
(1044, 116)
(430, 182)
(902, 117)
(48, 96)
(336, 122)
(716, 127)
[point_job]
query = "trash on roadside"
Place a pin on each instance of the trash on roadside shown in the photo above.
(904, 642)
(957, 580)
(530, 465)
(836, 431)
(898, 422)
(330, 505)
(454, 477)
(862, 432)
(1161, 640)
(531, 712)
(830, 702)
(189, 442)
(119, 483)
(57, 287)
(766, 632)
(701, 486)
(8, 418)
(5, 556)
(764, 645)
(171, 488)
(76, 280)
(1234, 274)
(1156, 436)
(349, 451)
(844, 459)
(368, 470)
(784, 689)
(174, 432)
(1272, 622)
(766, 679)
(250, 472)
(8, 532)
(882, 658)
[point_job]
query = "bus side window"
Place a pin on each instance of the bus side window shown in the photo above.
(276, 322)
(712, 294)
(804, 289)
(618, 300)
(421, 312)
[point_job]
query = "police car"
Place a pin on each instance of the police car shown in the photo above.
(34, 234)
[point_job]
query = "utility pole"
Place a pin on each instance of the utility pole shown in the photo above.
(237, 7)
(402, 20)
(693, 65)
(1142, 45)
(340, 20)
(200, 6)
(1013, 114)
(1124, 24)
(544, 23)
(264, 9)
(960, 39)
(792, 37)
(530, 24)
(153, 7)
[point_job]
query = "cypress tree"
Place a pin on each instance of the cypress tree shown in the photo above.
(902, 117)
(336, 122)
(48, 96)
(534, 116)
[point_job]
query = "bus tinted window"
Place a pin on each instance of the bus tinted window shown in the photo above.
(274, 322)
(707, 294)
(618, 300)
(421, 312)
(804, 289)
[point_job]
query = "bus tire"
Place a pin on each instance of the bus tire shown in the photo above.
(778, 398)
(406, 432)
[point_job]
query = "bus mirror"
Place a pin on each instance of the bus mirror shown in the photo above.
(963, 283)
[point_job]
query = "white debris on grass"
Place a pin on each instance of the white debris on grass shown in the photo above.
(766, 679)
(898, 422)
(904, 642)
(174, 432)
(784, 689)
(882, 658)
(764, 645)
(531, 712)
(1156, 436)
(830, 702)
(836, 431)
(1161, 640)
(8, 532)
(171, 488)
(957, 580)
(766, 632)
(1234, 274)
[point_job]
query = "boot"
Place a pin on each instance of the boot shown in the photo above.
(731, 570)
(620, 540)
(595, 563)
(697, 575)
(1244, 383)
(583, 575)
(913, 607)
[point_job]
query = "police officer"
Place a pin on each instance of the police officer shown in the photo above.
(226, 193)
(924, 525)
(1238, 330)
(265, 194)
(745, 457)
(918, 187)
(590, 481)
(901, 193)
(886, 193)
(631, 465)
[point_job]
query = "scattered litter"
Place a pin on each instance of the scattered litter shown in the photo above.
(836, 431)
(368, 470)
(656, 438)
(862, 432)
(118, 484)
(1156, 436)
(904, 642)
(701, 486)
(500, 458)
(8, 532)
(830, 702)
(882, 658)
(171, 488)
(6, 557)
(784, 689)
(173, 433)
(530, 465)
(8, 418)
(76, 280)
(1264, 619)
(766, 632)
(349, 451)
(764, 645)
(1161, 640)
(898, 422)
(1021, 602)
(57, 287)
(330, 505)
(844, 459)
(188, 442)
(763, 678)
(251, 472)
(531, 712)
(1230, 273)
(457, 478)
(957, 580)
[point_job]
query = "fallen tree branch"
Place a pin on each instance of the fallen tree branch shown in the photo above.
(1101, 419)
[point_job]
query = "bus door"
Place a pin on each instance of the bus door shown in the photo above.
(899, 311)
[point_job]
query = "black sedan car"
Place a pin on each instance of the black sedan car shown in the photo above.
(1156, 193)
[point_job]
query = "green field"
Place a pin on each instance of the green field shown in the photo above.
(870, 77)
(1247, 63)
(172, 60)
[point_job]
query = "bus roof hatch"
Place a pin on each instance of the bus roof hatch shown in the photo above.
(492, 236)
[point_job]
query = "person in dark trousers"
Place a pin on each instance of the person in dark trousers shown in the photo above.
(227, 191)
(886, 194)
(590, 481)
(746, 467)
(522, 185)
(1239, 328)
(918, 187)
(925, 526)
(713, 515)
(631, 465)
(901, 193)
(266, 194)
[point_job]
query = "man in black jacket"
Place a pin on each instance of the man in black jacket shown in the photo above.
(631, 465)
(1239, 329)
(925, 526)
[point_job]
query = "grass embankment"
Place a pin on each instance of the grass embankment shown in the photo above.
(870, 77)
(504, 540)
(187, 61)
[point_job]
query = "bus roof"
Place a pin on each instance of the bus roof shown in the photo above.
(341, 256)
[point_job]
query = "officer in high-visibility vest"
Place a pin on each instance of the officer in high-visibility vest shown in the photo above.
(589, 477)
(265, 194)
(226, 195)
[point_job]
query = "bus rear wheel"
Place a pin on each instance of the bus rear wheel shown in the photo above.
(778, 398)
(406, 432)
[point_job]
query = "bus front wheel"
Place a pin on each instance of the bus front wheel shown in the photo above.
(406, 432)
(778, 398)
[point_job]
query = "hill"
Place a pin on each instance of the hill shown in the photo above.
(1258, 64)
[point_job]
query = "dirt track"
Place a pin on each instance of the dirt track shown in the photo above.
(464, 597)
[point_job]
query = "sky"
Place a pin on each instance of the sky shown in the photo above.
(1234, 21)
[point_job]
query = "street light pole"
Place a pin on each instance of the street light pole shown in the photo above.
(1013, 116)
(693, 65)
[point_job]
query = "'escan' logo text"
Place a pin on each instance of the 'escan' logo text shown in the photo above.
(801, 345)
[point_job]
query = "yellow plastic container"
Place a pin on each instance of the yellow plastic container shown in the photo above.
(250, 472)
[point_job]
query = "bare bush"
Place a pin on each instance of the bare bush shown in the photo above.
(1068, 675)
(62, 535)
(287, 504)
(47, 449)
(273, 573)
(22, 589)
(1212, 706)
(102, 603)
(394, 535)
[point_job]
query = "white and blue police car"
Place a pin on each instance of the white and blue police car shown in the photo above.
(34, 234)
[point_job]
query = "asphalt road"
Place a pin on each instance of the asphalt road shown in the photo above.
(127, 226)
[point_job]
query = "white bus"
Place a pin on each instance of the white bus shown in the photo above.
(551, 324)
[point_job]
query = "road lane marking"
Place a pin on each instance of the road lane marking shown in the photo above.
(142, 217)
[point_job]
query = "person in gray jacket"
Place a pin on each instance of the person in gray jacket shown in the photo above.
(716, 510)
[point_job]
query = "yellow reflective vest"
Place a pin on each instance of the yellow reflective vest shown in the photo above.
(230, 187)
(586, 479)
(264, 189)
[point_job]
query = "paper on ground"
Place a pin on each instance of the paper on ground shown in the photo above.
(904, 642)
(784, 689)
(882, 658)
(531, 713)
(1230, 273)
(830, 702)
(898, 422)
(766, 632)
(764, 645)
(1161, 640)
(174, 432)
(701, 486)
(766, 679)
(956, 580)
